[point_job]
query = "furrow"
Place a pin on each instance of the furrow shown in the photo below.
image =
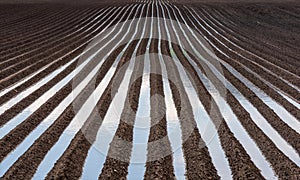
(258, 136)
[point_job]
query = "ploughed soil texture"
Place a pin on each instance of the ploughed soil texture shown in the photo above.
(150, 90)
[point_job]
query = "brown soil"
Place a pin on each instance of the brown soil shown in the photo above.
(283, 129)
(48, 34)
(60, 124)
(38, 61)
(198, 161)
(263, 86)
(81, 144)
(239, 160)
(35, 35)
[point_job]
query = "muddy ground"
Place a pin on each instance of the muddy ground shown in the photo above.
(254, 38)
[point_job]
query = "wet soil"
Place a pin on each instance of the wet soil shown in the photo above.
(269, 30)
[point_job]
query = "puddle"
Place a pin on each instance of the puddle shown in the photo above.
(290, 120)
(52, 117)
(6, 128)
(31, 89)
(173, 124)
(82, 115)
(260, 121)
(290, 100)
(35, 73)
(106, 132)
(206, 127)
(141, 128)
(266, 127)
(286, 96)
(9, 88)
(216, 21)
(265, 69)
(173, 128)
(269, 84)
(25, 145)
(238, 130)
(58, 149)
(41, 100)
(292, 85)
(98, 152)
(235, 126)
(57, 40)
(262, 124)
(278, 109)
(37, 132)
(95, 159)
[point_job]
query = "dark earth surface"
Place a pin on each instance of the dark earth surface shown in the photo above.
(49, 34)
